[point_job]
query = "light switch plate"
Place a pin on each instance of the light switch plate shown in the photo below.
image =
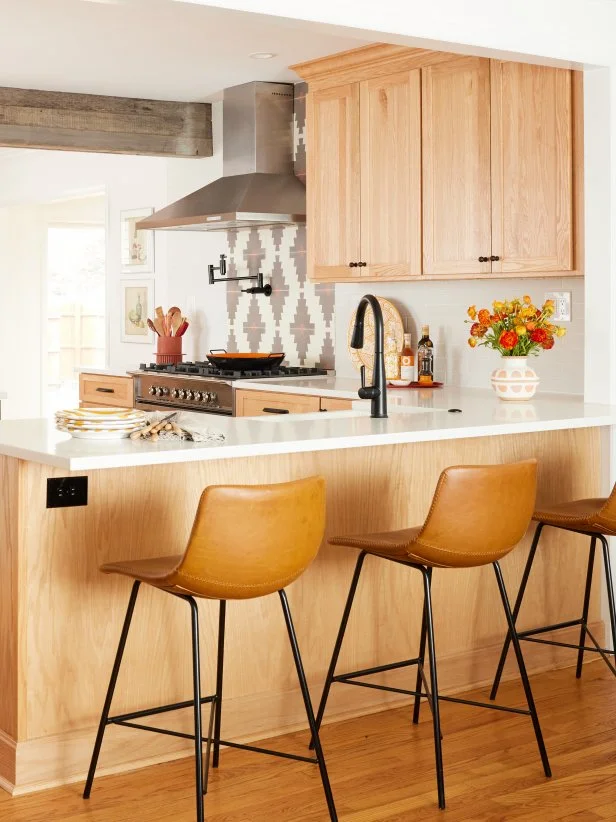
(562, 305)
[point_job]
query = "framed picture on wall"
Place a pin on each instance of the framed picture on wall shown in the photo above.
(137, 302)
(137, 244)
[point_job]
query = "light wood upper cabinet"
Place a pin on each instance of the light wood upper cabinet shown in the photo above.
(390, 149)
(332, 181)
(456, 167)
(532, 185)
(427, 164)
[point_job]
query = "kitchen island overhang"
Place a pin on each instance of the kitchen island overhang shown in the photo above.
(60, 618)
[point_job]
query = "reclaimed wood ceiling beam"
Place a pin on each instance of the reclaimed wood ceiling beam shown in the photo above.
(97, 123)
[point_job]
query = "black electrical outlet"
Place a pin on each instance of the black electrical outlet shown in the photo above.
(65, 492)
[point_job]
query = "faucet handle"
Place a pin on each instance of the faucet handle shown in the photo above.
(367, 392)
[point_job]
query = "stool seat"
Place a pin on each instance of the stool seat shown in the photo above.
(392, 544)
(586, 515)
(158, 571)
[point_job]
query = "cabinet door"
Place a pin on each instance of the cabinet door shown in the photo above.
(390, 115)
(261, 403)
(332, 182)
(532, 190)
(456, 166)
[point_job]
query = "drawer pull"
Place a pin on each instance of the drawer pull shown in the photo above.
(106, 390)
(275, 410)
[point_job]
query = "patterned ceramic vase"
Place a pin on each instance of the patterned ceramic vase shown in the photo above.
(514, 380)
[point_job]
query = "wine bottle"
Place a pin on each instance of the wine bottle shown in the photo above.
(407, 360)
(425, 357)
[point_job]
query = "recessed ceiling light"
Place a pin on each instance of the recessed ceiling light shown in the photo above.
(262, 55)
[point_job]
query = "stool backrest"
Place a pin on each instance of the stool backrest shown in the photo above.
(480, 512)
(252, 540)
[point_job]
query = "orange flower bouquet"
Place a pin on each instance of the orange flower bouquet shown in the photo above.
(516, 329)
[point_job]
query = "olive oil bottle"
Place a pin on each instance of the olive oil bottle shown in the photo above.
(425, 357)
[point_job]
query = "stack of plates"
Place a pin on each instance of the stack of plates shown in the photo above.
(100, 423)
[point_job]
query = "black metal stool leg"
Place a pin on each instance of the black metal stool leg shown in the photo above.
(339, 639)
(194, 610)
(219, 681)
(516, 608)
(436, 716)
(610, 587)
(523, 674)
(591, 565)
(111, 688)
(422, 653)
(308, 705)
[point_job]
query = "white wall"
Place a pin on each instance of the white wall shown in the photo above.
(31, 179)
(443, 306)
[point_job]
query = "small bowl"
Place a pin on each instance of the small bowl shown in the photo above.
(400, 383)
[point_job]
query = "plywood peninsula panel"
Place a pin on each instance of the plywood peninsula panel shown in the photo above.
(72, 614)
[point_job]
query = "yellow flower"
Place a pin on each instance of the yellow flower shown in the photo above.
(560, 332)
(548, 307)
(472, 312)
(472, 342)
(527, 299)
(520, 330)
(498, 307)
(528, 311)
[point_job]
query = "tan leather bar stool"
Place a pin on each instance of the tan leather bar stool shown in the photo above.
(596, 519)
(246, 542)
(478, 515)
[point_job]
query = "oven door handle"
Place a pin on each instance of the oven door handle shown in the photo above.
(275, 410)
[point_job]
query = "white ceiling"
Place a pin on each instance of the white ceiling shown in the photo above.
(147, 48)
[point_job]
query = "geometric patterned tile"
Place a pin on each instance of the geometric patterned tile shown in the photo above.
(299, 316)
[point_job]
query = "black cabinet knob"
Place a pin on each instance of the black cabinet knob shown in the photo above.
(353, 265)
(484, 259)
(494, 259)
(362, 265)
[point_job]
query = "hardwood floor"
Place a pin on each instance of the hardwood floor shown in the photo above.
(382, 769)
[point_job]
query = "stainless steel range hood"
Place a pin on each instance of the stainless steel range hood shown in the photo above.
(258, 186)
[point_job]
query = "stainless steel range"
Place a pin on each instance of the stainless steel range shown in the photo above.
(198, 386)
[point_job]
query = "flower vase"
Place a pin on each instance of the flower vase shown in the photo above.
(514, 380)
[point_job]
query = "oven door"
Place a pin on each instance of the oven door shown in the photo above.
(146, 405)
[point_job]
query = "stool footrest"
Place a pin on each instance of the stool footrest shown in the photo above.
(570, 623)
(127, 723)
(163, 709)
(348, 679)
(377, 670)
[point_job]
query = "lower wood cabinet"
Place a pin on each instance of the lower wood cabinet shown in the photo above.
(101, 389)
(261, 403)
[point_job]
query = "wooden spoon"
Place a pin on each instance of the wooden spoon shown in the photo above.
(152, 327)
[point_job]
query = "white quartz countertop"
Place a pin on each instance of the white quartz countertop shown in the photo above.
(104, 372)
(340, 387)
(3, 395)
(415, 416)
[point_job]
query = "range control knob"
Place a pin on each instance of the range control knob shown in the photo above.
(159, 391)
(214, 398)
(190, 395)
(206, 396)
(175, 393)
(197, 396)
(152, 390)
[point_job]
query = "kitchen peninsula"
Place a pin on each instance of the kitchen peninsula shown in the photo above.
(60, 618)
